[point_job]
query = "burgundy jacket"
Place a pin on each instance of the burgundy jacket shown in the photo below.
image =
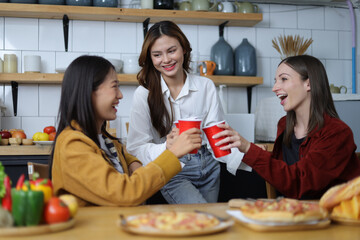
(326, 158)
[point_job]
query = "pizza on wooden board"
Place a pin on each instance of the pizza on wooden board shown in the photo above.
(281, 210)
(170, 221)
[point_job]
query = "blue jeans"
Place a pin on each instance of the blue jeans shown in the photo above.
(198, 182)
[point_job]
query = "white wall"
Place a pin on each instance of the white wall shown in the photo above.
(330, 29)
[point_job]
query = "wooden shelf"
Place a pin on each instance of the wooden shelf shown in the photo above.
(127, 14)
(25, 150)
(124, 79)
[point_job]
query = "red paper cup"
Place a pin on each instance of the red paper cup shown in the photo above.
(212, 130)
(188, 124)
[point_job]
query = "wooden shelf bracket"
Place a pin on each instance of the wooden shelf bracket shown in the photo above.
(146, 26)
(14, 90)
(66, 31)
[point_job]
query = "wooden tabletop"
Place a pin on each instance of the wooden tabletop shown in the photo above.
(100, 223)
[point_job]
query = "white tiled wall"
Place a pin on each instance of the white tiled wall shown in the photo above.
(38, 104)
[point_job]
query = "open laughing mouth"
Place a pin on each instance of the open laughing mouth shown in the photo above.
(282, 98)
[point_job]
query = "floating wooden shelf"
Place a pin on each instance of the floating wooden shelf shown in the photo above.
(124, 79)
(127, 14)
(25, 150)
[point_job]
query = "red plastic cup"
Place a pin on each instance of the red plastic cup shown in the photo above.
(212, 130)
(188, 124)
(176, 124)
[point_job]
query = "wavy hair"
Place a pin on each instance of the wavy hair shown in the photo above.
(321, 100)
(149, 77)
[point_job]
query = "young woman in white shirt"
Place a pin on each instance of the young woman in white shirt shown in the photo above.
(168, 92)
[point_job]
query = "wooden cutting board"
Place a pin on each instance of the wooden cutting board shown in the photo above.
(34, 230)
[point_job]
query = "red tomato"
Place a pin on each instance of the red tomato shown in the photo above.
(18, 134)
(52, 136)
(5, 134)
(56, 211)
(49, 129)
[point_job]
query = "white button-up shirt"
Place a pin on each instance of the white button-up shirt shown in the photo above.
(197, 99)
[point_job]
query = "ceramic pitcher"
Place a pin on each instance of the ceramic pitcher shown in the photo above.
(246, 7)
(203, 5)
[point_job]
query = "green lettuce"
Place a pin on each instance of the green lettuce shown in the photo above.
(2, 176)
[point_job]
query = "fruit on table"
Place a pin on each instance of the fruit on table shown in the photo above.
(71, 202)
(39, 136)
(15, 130)
(56, 211)
(18, 134)
(44, 185)
(49, 129)
(52, 136)
(5, 134)
(27, 206)
(6, 219)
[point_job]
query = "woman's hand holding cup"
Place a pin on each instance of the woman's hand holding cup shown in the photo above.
(232, 139)
(186, 142)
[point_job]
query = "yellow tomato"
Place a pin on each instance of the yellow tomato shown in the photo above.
(36, 136)
(71, 202)
(43, 137)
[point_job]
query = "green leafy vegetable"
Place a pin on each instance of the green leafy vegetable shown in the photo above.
(2, 177)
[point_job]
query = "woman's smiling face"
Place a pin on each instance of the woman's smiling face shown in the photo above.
(293, 92)
(167, 56)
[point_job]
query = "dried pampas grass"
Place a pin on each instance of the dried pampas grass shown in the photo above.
(291, 46)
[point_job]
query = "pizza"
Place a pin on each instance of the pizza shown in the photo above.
(170, 221)
(283, 210)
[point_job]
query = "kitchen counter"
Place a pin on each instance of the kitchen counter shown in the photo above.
(101, 223)
(21, 150)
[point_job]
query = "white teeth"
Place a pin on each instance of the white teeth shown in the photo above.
(281, 96)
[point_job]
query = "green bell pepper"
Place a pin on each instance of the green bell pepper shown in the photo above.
(27, 206)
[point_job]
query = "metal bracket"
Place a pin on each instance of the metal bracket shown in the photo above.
(66, 31)
(221, 28)
(146, 26)
(249, 93)
(14, 90)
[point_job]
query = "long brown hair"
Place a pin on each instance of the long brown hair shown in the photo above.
(149, 77)
(321, 100)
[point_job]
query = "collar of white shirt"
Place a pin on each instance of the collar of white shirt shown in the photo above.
(189, 85)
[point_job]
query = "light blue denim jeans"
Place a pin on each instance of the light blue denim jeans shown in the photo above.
(198, 182)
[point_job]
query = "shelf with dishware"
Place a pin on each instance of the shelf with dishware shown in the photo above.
(128, 14)
(124, 79)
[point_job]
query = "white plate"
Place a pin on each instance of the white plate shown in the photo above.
(44, 142)
(60, 70)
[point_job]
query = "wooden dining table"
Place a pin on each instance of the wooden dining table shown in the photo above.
(101, 223)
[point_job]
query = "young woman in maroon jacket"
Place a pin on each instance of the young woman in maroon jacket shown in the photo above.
(314, 149)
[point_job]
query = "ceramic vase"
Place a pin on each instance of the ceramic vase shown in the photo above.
(245, 59)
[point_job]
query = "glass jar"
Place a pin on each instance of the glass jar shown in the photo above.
(163, 4)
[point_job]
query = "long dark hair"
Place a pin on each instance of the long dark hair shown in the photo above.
(321, 100)
(81, 79)
(149, 77)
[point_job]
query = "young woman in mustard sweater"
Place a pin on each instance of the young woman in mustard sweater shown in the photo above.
(90, 163)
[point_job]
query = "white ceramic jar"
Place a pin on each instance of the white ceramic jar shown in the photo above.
(32, 63)
(131, 64)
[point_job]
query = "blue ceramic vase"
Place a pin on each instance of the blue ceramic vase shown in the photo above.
(245, 59)
(223, 55)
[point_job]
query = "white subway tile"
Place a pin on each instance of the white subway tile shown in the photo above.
(51, 35)
(263, 41)
(325, 44)
(2, 24)
(283, 16)
(263, 70)
(31, 125)
(311, 17)
(21, 34)
(235, 35)
(10, 123)
(339, 73)
(28, 101)
(208, 36)
(88, 36)
(191, 33)
(49, 99)
(47, 60)
(337, 19)
(120, 37)
(240, 104)
(124, 106)
(63, 59)
(139, 37)
(7, 100)
(265, 23)
(345, 45)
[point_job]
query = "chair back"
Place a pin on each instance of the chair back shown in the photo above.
(41, 169)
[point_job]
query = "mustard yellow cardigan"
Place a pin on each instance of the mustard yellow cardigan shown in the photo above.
(79, 168)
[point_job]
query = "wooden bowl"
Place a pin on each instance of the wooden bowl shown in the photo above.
(27, 141)
(4, 142)
(15, 141)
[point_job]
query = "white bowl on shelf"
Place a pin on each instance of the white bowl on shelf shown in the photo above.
(118, 64)
(131, 64)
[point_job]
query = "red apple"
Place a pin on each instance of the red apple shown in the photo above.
(5, 134)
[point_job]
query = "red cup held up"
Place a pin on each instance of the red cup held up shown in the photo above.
(185, 124)
(210, 131)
